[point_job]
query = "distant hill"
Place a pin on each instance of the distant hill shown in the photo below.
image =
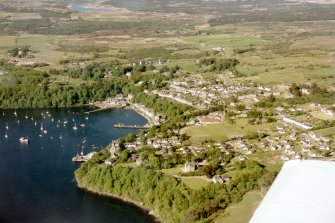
(315, 1)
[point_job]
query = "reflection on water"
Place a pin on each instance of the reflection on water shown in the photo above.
(37, 181)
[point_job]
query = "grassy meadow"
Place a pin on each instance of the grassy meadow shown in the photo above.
(242, 211)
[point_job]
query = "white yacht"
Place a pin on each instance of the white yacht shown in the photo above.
(24, 140)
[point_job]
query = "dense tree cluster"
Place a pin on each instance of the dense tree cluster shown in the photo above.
(218, 64)
(167, 195)
(28, 88)
(162, 105)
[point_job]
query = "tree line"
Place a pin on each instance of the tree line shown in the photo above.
(168, 196)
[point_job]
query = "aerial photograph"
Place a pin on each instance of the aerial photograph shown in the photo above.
(167, 111)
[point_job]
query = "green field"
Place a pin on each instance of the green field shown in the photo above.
(173, 171)
(326, 132)
(193, 182)
(242, 211)
(196, 183)
(235, 40)
(223, 131)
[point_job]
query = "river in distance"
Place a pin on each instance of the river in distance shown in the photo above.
(37, 183)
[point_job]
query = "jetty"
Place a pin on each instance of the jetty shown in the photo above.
(83, 158)
(105, 108)
(123, 126)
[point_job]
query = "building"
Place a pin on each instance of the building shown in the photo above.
(189, 167)
(302, 192)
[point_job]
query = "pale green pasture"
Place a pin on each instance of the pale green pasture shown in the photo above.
(173, 171)
(223, 131)
(326, 132)
(242, 211)
(44, 48)
(234, 40)
(196, 182)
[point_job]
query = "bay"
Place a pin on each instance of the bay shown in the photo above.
(36, 179)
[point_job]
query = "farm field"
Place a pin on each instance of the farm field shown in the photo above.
(223, 131)
(242, 211)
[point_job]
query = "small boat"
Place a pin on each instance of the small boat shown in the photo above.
(15, 113)
(7, 127)
(26, 116)
(75, 127)
(24, 140)
(41, 126)
(35, 123)
(18, 121)
(82, 125)
(84, 140)
(6, 135)
(86, 117)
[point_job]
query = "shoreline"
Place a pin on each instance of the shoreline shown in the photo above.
(150, 121)
(130, 107)
(139, 205)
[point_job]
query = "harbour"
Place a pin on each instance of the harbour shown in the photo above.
(40, 173)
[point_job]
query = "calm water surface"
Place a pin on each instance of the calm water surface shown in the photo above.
(36, 179)
(81, 7)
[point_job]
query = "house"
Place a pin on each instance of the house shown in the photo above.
(241, 158)
(112, 149)
(162, 118)
(139, 161)
(324, 147)
(305, 149)
(217, 179)
(189, 167)
(110, 161)
(130, 145)
(305, 142)
(221, 179)
(297, 157)
(156, 145)
(284, 158)
(311, 154)
(128, 74)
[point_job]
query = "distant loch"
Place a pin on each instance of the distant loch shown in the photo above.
(83, 7)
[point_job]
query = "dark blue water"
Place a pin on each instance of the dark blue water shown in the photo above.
(81, 7)
(36, 179)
